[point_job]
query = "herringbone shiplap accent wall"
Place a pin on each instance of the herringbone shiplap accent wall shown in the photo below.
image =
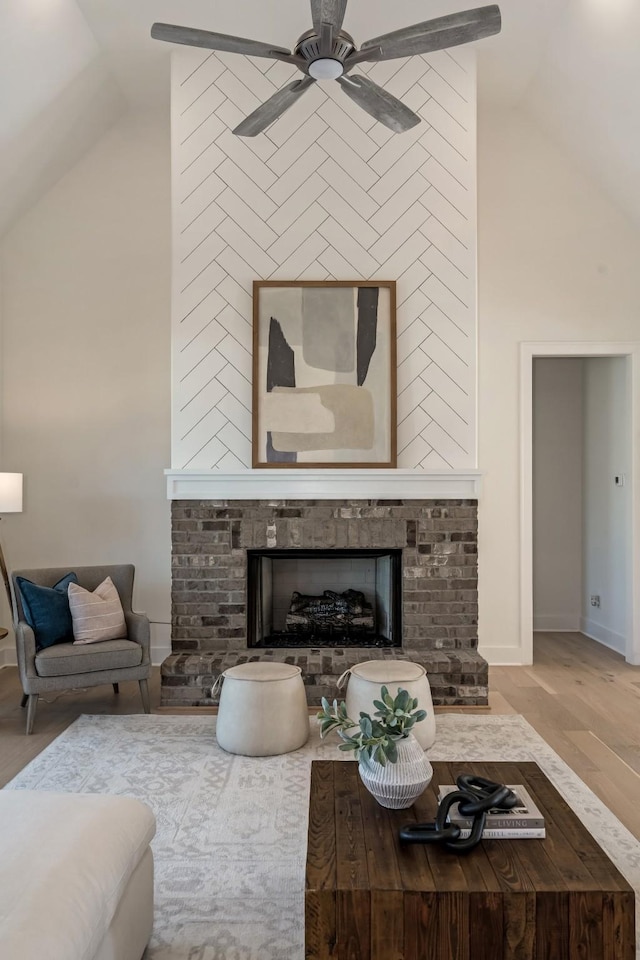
(326, 193)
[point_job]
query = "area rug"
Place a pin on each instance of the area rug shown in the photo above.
(231, 842)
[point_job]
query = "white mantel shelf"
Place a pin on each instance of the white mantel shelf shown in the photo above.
(323, 485)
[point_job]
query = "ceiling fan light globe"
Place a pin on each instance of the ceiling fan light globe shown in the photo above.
(325, 68)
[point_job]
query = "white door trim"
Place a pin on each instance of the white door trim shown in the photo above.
(576, 348)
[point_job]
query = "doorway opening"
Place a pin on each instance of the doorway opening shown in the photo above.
(579, 483)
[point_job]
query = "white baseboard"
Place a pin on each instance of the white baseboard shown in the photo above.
(160, 642)
(557, 622)
(8, 655)
(502, 656)
(608, 638)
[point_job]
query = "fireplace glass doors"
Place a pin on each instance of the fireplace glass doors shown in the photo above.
(330, 598)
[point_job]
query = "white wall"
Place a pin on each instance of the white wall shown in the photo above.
(85, 366)
(85, 285)
(557, 261)
(327, 193)
(607, 507)
(557, 493)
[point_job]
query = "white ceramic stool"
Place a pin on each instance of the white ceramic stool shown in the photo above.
(263, 709)
(366, 679)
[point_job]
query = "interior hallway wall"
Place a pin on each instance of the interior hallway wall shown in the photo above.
(557, 261)
(607, 507)
(557, 493)
(85, 281)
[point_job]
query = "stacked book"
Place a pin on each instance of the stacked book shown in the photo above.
(523, 821)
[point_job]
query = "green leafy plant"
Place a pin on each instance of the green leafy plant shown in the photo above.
(377, 735)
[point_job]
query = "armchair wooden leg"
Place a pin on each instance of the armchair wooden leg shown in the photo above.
(31, 711)
(116, 688)
(25, 698)
(144, 693)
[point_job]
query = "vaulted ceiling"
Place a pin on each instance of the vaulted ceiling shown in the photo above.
(69, 68)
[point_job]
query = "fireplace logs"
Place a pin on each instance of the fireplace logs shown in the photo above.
(347, 612)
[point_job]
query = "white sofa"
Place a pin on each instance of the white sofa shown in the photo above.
(76, 876)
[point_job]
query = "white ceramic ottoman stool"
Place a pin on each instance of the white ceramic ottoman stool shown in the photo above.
(366, 679)
(263, 709)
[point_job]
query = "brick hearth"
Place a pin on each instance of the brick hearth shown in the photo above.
(439, 583)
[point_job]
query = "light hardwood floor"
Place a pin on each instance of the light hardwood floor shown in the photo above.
(583, 699)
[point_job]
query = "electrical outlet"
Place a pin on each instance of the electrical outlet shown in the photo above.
(595, 600)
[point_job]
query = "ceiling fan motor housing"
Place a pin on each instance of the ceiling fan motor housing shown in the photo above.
(320, 66)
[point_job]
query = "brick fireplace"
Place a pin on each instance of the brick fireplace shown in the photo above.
(439, 601)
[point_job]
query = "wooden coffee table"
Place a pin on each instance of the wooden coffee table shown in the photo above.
(369, 897)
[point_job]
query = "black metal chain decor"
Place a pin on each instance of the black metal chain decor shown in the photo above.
(475, 797)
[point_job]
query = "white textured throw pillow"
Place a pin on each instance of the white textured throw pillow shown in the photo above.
(98, 615)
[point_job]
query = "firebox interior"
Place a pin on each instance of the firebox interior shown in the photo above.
(308, 598)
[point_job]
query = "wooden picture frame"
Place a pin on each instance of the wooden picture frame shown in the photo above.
(324, 374)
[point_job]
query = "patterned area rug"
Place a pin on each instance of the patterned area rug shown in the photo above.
(231, 842)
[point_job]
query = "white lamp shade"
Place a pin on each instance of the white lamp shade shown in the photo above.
(10, 493)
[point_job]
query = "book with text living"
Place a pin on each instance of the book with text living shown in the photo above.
(508, 833)
(524, 816)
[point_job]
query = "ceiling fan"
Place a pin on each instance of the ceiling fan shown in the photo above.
(327, 52)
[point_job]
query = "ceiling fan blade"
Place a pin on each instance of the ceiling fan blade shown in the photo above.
(215, 41)
(380, 104)
(328, 11)
(274, 107)
(438, 34)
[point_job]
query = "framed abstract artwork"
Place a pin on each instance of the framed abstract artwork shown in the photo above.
(324, 373)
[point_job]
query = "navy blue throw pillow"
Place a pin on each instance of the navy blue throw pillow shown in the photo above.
(46, 610)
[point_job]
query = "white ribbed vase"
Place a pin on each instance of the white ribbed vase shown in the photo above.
(398, 784)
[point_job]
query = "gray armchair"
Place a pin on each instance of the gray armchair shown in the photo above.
(65, 666)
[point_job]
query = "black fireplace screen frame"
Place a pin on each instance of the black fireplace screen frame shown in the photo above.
(330, 638)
